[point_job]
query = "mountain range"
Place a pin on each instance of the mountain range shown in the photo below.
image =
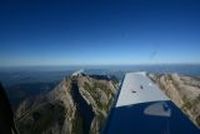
(78, 104)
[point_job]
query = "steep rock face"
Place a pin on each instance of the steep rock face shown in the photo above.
(184, 91)
(79, 104)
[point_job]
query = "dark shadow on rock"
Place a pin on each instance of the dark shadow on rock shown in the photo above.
(7, 125)
(83, 108)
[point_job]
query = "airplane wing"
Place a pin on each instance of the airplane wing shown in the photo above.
(142, 108)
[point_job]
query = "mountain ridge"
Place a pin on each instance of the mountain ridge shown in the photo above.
(78, 104)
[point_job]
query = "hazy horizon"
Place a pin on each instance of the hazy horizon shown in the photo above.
(100, 65)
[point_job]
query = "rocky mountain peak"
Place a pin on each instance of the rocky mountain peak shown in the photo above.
(78, 104)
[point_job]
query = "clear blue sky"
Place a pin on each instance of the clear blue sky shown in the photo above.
(99, 32)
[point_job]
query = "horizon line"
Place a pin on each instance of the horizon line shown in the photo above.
(78, 65)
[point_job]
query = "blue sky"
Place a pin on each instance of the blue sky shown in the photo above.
(99, 32)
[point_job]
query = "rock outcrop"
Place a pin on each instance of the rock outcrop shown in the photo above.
(79, 104)
(184, 91)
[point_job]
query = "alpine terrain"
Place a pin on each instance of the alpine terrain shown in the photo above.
(78, 104)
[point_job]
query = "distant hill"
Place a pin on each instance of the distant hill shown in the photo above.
(78, 104)
(18, 92)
